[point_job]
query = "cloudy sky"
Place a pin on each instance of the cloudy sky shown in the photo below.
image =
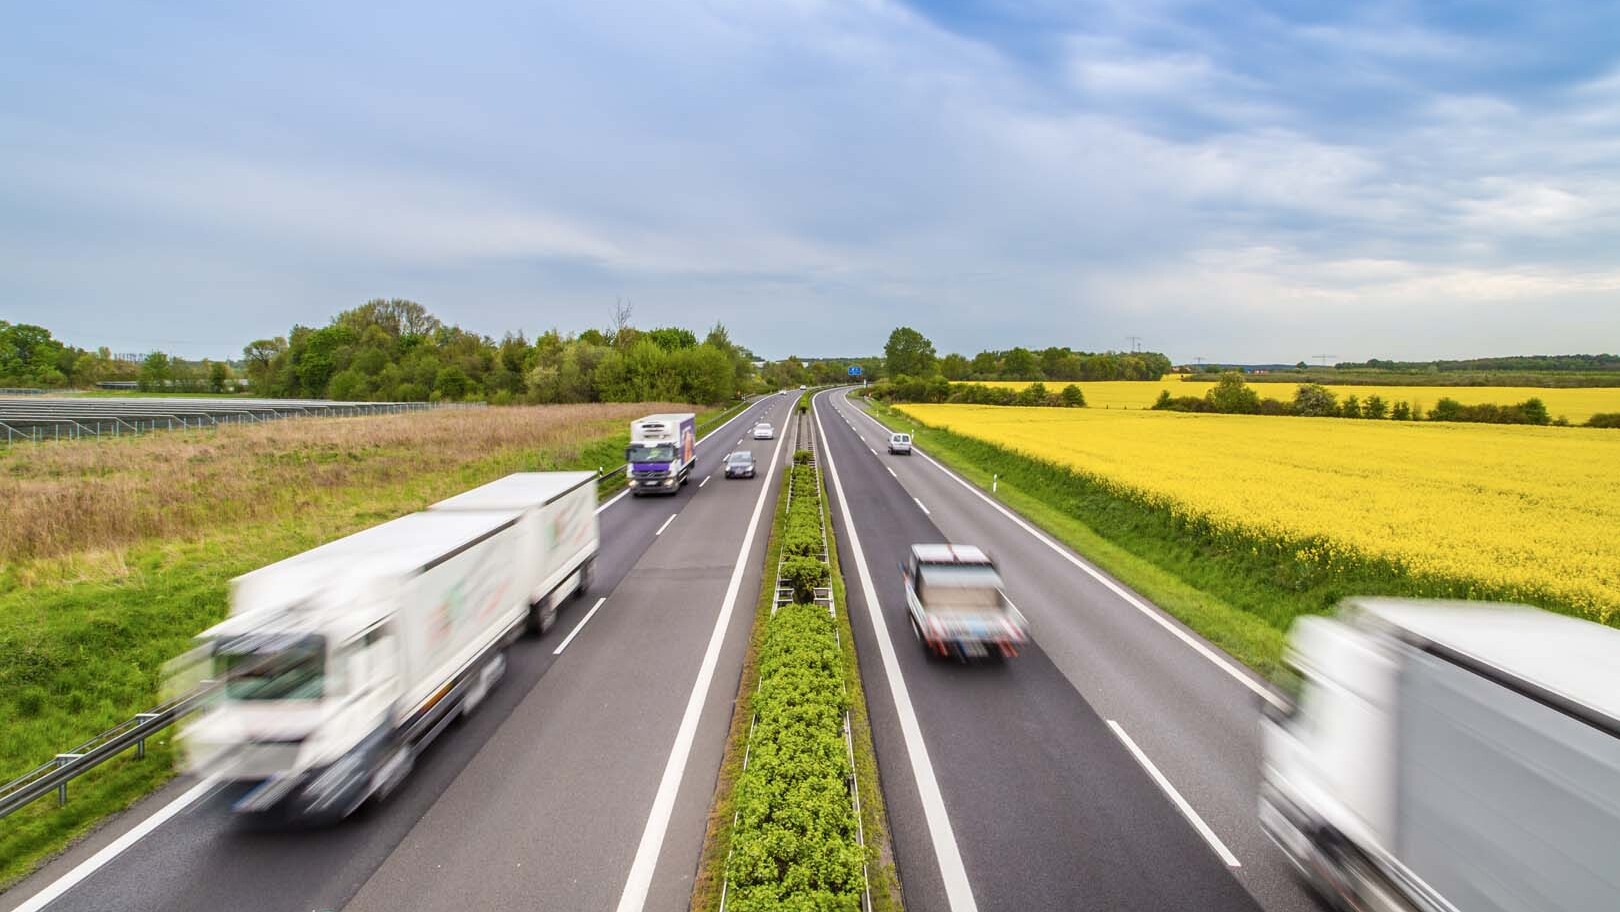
(1232, 180)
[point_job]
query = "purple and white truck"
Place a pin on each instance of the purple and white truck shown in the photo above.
(661, 452)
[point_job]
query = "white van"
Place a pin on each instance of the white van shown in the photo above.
(900, 444)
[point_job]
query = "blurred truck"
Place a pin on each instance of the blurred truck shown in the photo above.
(1449, 756)
(340, 664)
(956, 605)
(661, 451)
(557, 534)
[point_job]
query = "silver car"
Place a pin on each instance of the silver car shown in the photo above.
(764, 431)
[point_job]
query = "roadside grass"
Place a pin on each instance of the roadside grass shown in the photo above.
(1239, 604)
(85, 629)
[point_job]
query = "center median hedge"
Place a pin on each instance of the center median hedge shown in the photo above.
(795, 845)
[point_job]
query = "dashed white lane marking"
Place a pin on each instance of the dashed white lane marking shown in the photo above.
(634, 897)
(705, 480)
(1175, 796)
(578, 627)
(666, 524)
(921, 507)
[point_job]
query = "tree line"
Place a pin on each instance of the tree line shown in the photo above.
(395, 350)
(909, 353)
(1232, 396)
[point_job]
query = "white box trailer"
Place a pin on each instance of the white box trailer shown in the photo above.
(558, 536)
(1450, 756)
(341, 663)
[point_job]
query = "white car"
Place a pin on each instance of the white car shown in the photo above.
(900, 444)
(764, 431)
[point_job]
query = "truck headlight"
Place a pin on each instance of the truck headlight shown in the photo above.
(633, 482)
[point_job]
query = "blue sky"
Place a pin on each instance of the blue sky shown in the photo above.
(1233, 180)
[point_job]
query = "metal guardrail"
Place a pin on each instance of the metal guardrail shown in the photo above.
(69, 765)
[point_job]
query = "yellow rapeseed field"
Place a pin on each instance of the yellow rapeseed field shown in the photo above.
(1575, 404)
(1525, 512)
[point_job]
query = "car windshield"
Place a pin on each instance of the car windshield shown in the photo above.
(901, 438)
(269, 667)
(762, 427)
(740, 458)
(650, 452)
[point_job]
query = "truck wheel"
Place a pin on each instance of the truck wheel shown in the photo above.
(392, 772)
(548, 614)
(585, 574)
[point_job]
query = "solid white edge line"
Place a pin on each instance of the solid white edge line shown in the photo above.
(1175, 796)
(1155, 614)
(958, 892)
(666, 524)
(113, 849)
(699, 442)
(636, 885)
(921, 507)
(578, 627)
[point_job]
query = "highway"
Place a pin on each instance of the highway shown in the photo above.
(1111, 766)
(583, 782)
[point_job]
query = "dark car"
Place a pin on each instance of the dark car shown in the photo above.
(740, 465)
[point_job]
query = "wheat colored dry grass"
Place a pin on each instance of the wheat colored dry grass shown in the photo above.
(58, 499)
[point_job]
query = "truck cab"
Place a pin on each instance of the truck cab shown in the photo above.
(661, 451)
(956, 604)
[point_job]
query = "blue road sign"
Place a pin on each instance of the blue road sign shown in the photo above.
(855, 370)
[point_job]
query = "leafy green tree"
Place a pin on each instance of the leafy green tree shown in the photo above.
(1375, 407)
(1034, 394)
(986, 366)
(1315, 401)
(1020, 364)
(1351, 407)
(156, 372)
(909, 353)
(1401, 411)
(1072, 397)
(219, 374)
(1232, 396)
(671, 338)
(955, 367)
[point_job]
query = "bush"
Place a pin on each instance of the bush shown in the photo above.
(1071, 397)
(1402, 411)
(1033, 394)
(1168, 403)
(1530, 411)
(794, 842)
(1604, 420)
(804, 573)
(1231, 396)
(801, 457)
(1314, 400)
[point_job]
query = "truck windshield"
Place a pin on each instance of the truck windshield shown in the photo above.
(650, 452)
(272, 669)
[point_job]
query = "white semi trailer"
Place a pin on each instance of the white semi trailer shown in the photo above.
(558, 536)
(341, 663)
(1450, 756)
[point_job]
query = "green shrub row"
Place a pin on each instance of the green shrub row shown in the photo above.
(938, 389)
(795, 845)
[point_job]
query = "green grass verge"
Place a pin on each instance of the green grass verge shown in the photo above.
(81, 656)
(1240, 606)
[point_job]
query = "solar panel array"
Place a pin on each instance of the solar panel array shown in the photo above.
(57, 418)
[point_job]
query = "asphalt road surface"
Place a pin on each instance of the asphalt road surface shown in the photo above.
(1035, 790)
(543, 798)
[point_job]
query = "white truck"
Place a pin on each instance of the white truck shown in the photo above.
(661, 452)
(1449, 756)
(558, 535)
(956, 603)
(341, 663)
